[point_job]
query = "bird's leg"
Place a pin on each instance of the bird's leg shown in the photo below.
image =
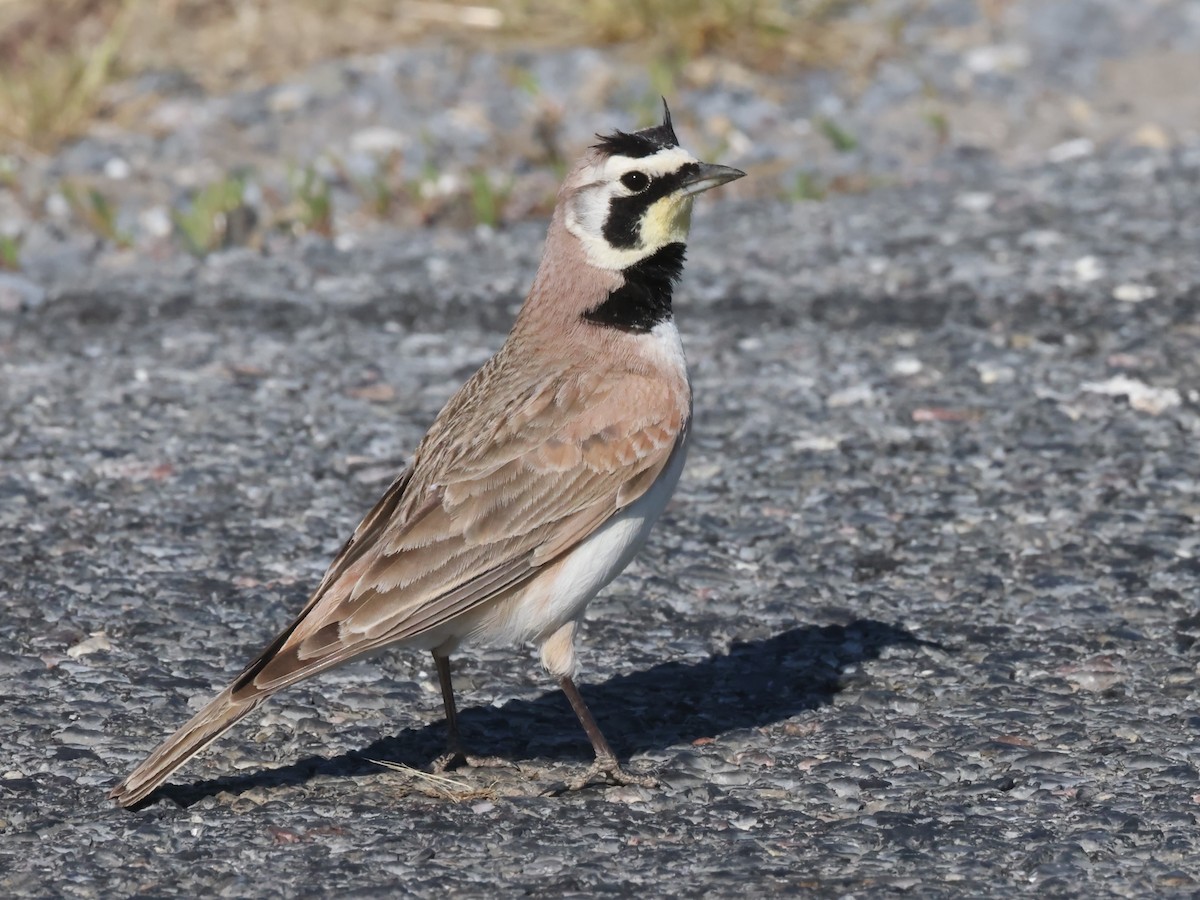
(605, 767)
(455, 756)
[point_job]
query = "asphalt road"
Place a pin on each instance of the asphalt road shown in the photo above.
(921, 619)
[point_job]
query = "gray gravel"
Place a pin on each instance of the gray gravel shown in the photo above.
(922, 618)
(1020, 81)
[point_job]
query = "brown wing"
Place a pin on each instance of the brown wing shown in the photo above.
(512, 474)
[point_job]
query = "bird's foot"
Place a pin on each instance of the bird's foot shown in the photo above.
(606, 770)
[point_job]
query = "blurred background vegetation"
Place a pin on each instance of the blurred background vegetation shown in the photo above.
(59, 59)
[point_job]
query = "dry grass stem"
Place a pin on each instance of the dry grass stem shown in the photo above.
(442, 787)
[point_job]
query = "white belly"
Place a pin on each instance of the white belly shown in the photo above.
(608, 550)
(599, 559)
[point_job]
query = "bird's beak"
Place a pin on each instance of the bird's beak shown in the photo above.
(709, 176)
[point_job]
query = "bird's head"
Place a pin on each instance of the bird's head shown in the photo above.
(631, 196)
(615, 247)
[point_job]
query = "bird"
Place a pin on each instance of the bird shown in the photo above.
(538, 481)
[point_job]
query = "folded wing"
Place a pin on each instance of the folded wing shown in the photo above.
(473, 520)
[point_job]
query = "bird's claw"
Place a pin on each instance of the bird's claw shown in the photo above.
(605, 770)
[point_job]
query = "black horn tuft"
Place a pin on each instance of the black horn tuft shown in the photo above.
(640, 144)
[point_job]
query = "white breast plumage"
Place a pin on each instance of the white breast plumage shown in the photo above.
(663, 347)
(608, 550)
(597, 560)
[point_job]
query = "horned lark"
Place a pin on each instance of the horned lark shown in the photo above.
(538, 481)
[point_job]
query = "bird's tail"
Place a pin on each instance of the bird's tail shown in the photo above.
(200, 731)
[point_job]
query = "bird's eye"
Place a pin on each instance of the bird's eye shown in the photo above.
(635, 181)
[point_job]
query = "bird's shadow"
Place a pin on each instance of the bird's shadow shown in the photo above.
(758, 683)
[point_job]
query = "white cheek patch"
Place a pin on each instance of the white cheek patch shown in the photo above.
(587, 209)
(585, 220)
(586, 214)
(603, 255)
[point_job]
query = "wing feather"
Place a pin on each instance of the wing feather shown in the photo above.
(474, 519)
